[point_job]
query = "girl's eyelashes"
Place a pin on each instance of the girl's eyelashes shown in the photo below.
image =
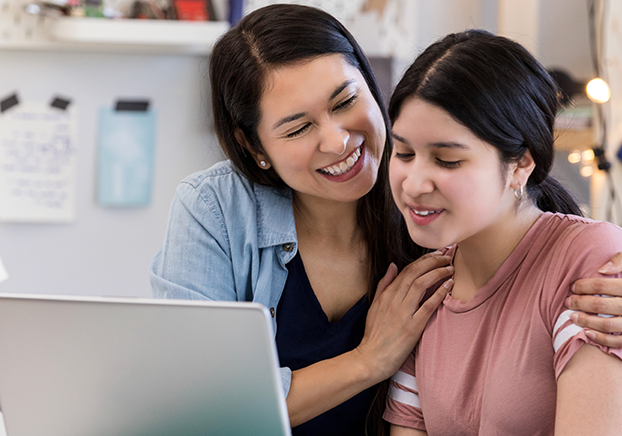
(449, 164)
(404, 156)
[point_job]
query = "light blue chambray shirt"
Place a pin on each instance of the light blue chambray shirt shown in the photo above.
(227, 239)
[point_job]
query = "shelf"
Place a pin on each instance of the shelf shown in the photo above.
(125, 35)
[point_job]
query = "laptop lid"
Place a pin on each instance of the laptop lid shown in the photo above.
(84, 366)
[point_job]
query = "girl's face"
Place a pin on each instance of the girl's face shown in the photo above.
(449, 184)
(321, 129)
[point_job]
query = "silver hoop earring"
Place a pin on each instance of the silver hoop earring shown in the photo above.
(262, 163)
(518, 193)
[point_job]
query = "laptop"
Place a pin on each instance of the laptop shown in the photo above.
(88, 366)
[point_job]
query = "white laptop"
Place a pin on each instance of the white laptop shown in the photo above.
(81, 366)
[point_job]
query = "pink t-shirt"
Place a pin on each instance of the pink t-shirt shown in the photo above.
(489, 366)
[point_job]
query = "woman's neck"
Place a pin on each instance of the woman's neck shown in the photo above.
(478, 258)
(323, 221)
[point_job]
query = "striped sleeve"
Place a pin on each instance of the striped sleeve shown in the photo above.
(403, 406)
(568, 338)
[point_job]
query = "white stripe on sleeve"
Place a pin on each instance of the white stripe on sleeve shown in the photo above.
(561, 333)
(404, 397)
(406, 380)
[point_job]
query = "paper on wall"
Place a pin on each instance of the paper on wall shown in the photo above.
(38, 163)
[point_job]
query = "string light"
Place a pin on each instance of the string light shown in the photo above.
(587, 170)
(574, 157)
(587, 156)
(598, 91)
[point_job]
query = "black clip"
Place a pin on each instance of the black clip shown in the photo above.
(60, 103)
(9, 102)
(132, 105)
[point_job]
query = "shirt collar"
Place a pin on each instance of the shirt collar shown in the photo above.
(275, 217)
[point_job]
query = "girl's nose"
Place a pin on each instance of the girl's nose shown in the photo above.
(418, 182)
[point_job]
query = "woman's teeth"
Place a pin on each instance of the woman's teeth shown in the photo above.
(343, 166)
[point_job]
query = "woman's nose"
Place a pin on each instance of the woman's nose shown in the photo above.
(334, 139)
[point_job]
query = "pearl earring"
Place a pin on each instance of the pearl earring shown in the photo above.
(262, 163)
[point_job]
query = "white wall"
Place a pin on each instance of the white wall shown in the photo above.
(106, 251)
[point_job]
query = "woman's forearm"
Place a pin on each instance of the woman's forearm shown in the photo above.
(326, 384)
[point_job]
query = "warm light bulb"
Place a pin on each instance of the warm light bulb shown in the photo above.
(574, 157)
(598, 90)
(587, 156)
(587, 171)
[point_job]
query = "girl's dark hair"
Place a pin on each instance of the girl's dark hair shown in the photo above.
(281, 35)
(497, 89)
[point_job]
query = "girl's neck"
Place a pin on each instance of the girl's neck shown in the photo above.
(479, 257)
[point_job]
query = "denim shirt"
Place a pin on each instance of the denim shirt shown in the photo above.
(227, 239)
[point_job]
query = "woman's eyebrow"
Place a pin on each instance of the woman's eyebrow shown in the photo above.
(340, 88)
(288, 119)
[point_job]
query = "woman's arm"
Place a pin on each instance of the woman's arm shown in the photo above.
(394, 325)
(397, 430)
(585, 302)
(589, 395)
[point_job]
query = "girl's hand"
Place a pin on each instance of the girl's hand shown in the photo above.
(585, 301)
(395, 321)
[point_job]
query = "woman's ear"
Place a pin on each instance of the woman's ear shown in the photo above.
(260, 158)
(523, 169)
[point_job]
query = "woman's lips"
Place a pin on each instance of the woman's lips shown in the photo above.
(352, 165)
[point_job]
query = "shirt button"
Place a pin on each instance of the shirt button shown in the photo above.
(272, 311)
(288, 247)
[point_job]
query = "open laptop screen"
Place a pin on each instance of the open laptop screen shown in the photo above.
(82, 366)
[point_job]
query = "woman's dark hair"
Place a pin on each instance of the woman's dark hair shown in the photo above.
(497, 89)
(281, 35)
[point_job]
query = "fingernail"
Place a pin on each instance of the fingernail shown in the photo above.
(450, 268)
(590, 334)
(448, 284)
(574, 317)
(572, 287)
(567, 302)
(606, 268)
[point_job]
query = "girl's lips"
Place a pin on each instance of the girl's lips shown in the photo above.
(423, 216)
(350, 170)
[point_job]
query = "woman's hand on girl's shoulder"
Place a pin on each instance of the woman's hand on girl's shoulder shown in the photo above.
(396, 320)
(588, 299)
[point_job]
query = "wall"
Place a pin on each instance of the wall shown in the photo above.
(106, 251)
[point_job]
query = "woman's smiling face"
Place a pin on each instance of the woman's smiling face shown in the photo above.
(321, 129)
(449, 185)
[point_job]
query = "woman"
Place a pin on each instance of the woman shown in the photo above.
(473, 125)
(300, 218)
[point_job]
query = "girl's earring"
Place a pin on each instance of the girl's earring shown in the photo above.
(518, 193)
(262, 163)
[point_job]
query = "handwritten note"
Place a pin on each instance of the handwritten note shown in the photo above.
(38, 164)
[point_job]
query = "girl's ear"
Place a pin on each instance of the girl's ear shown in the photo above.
(522, 171)
(260, 158)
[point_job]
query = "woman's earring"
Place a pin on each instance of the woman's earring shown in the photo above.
(518, 193)
(262, 163)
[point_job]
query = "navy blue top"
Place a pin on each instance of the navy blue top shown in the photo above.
(305, 336)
